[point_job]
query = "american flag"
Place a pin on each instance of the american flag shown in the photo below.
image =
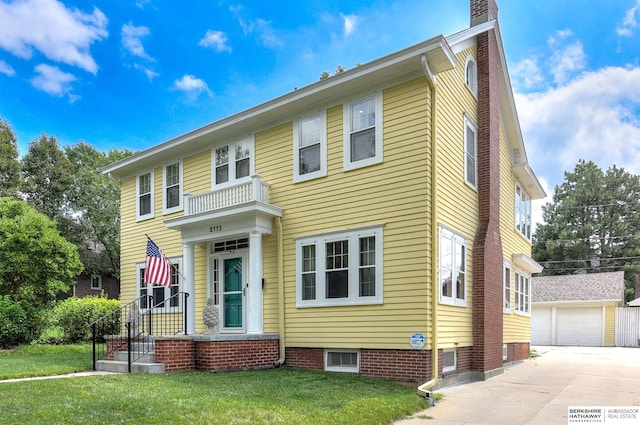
(158, 267)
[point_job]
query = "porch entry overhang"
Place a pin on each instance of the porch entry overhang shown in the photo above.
(238, 211)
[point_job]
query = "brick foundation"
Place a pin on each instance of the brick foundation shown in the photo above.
(517, 351)
(176, 354)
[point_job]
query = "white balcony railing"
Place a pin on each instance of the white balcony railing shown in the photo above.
(254, 190)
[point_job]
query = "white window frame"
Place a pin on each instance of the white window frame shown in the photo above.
(177, 286)
(468, 155)
(522, 293)
(232, 179)
(166, 209)
(347, 122)
(320, 241)
(344, 369)
(98, 279)
(139, 216)
(523, 212)
(506, 287)
(452, 239)
(446, 369)
(297, 147)
(471, 75)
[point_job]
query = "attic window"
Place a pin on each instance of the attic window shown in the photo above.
(471, 75)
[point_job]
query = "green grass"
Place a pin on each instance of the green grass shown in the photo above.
(278, 396)
(44, 360)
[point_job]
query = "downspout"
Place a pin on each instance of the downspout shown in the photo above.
(423, 390)
(281, 327)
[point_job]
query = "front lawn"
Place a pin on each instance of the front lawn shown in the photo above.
(278, 396)
(44, 360)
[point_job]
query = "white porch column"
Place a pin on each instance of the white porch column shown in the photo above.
(189, 285)
(255, 322)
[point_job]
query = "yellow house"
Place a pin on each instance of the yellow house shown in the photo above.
(375, 222)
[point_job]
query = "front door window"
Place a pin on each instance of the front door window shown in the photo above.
(233, 292)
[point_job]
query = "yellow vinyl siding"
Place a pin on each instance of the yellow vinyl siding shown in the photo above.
(457, 201)
(610, 326)
(392, 194)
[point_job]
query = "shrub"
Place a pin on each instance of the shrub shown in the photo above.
(74, 316)
(19, 323)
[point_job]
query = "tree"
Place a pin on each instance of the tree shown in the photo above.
(47, 178)
(9, 164)
(94, 199)
(592, 225)
(36, 263)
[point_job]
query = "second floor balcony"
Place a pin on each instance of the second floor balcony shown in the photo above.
(226, 208)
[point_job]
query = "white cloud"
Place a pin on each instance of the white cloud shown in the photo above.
(629, 23)
(350, 22)
(47, 26)
(594, 117)
(568, 56)
(7, 69)
(51, 80)
(217, 39)
(147, 71)
(528, 73)
(132, 40)
(260, 27)
(191, 85)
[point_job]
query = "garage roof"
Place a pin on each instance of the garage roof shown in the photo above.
(578, 287)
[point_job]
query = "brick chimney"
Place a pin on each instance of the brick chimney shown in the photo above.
(487, 246)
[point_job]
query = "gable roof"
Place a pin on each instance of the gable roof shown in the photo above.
(578, 287)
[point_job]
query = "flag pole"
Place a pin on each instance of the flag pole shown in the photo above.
(172, 265)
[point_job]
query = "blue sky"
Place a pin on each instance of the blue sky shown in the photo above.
(134, 74)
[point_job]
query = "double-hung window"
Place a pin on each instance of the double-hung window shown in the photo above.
(453, 268)
(232, 162)
(522, 293)
(163, 299)
(310, 147)
(339, 268)
(363, 132)
(144, 196)
(523, 212)
(470, 153)
(506, 294)
(173, 187)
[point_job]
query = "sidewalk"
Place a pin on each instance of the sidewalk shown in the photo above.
(540, 390)
(69, 375)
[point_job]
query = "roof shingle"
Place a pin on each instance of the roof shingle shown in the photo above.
(578, 287)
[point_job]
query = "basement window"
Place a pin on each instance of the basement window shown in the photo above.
(342, 360)
(449, 360)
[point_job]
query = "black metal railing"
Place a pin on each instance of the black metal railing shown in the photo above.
(133, 326)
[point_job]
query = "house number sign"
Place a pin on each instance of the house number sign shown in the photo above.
(216, 228)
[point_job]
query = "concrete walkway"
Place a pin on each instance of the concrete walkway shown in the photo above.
(68, 375)
(539, 391)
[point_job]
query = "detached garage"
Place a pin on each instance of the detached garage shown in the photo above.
(575, 310)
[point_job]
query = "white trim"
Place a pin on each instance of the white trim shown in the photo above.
(352, 237)
(176, 261)
(523, 218)
(297, 177)
(140, 217)
(469, 124)
(506, 308)
(525, 309)
(471, 83)
(345, 369)
(378, 157)
(455, 360)
(179, 207)
(454, 239)
(244, 255)
(232, 180)
(505, 351)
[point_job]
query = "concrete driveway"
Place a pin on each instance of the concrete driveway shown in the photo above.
(540, 390)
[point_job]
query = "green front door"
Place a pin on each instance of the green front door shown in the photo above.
(233, 292)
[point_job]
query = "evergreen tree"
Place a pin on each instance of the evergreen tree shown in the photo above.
(592, 225)
(9, 164)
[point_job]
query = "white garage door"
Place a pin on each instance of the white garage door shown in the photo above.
(541, 326)
(579, 326)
